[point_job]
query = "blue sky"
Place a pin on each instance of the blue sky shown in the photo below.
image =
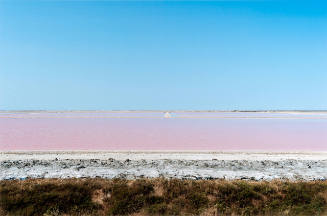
(221, 55)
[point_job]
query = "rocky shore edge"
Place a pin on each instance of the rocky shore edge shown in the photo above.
(231, 166)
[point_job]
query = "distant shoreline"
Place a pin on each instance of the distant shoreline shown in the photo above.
(177, 111)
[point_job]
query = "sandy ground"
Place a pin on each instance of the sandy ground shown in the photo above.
(183, 165)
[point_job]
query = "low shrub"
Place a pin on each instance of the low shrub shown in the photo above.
(161, 197)
(38, 199)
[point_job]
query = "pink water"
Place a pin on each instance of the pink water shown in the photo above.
(185, 131)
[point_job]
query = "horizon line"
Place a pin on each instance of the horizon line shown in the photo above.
(162, 110)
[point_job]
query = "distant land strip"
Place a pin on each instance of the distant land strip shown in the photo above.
(159, 117)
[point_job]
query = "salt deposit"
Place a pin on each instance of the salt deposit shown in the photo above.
(183, 165)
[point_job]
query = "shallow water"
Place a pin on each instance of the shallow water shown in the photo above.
(184, 131)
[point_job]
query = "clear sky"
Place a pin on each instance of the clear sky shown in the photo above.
(221, 55)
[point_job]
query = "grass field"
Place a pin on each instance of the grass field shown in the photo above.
(161, 197)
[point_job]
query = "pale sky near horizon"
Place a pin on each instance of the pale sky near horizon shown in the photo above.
(221, 55)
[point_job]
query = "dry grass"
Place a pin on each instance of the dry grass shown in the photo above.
(161, 197)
